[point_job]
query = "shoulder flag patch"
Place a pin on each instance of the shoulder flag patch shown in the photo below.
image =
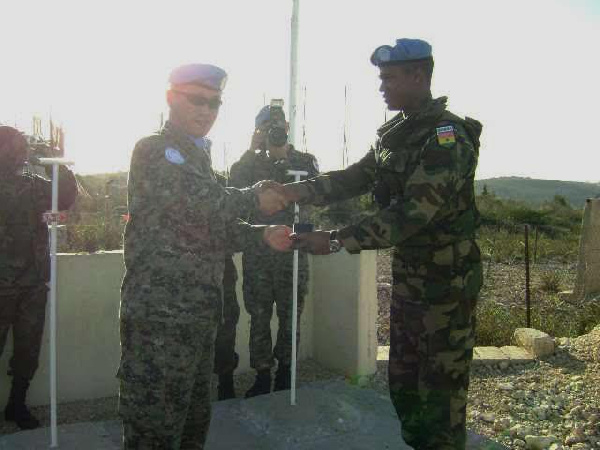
(445, 136)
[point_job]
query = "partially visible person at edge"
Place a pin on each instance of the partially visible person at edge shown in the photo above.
(421, 173)
(179, 233)
(268, 274)
(24, 261)
(226, 358)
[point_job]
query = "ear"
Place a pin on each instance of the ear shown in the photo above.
(170, 98)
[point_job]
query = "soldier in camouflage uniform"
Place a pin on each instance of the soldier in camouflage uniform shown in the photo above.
(268, 274)
(24, 262)
(421, 172)
(179, 234)
(226, 359)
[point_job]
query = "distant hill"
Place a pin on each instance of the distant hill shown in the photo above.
(535, 192)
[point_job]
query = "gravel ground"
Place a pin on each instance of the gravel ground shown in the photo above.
(555, 401)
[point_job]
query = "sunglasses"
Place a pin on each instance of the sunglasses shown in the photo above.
(199, 100)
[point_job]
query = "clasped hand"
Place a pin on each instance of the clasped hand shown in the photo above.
(316, 242)
(278, 237)
(271, 196)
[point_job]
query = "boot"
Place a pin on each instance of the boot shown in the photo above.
(283, 379)
(16, 411)
(226, 390)
(262, 384)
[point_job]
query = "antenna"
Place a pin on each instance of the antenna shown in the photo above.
(345, 157)
(304, 146)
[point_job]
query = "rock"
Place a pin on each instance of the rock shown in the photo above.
(506, 386)
(520, 431)
(501, 424)
(556, 446)
(537, 342)
(573, 439)
(487, 417)
(504, 365)
(541, 412)
(576, 411)
(592, 419)
(580, 446)
(487, 356)
(539, 442)
(519, 443)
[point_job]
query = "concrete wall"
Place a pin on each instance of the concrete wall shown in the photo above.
(88, 327)
(588, 268)
(345, 312)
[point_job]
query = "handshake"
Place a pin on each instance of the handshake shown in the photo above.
(273, 197)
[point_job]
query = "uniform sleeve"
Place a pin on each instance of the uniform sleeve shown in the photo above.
(435, 182)
(181, 192)
(313, 166)
(242, 234)
(67, 188)
(340, 185)
(240, 174)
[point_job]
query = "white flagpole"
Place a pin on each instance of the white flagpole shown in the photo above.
(53, 222)
(297, 174)
(293, 120)
(293, 105)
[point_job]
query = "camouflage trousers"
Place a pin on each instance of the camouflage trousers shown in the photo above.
(25, 311)
(165, 383)
(226, 359)
(432, 326)
(268, 280)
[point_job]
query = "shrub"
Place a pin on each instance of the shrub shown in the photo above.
(551, 281)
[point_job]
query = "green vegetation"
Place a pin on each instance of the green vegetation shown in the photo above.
(535, 192)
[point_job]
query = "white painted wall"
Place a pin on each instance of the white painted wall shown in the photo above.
(338, 325)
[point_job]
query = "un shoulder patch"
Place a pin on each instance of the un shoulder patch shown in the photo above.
(446, 136)
(173, 156)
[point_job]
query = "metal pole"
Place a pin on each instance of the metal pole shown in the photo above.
(527, 299)
(297, 175)
(292, 116)
(53, 238)
(535, 245)
(55, 163)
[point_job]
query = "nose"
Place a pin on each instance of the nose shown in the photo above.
(381, 89)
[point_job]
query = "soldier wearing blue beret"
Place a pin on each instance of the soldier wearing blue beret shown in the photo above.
(182, 228)
(421, 171)
(268, 274)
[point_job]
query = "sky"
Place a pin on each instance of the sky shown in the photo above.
(527, 69)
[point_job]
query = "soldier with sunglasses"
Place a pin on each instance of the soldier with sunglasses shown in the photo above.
(182, 227)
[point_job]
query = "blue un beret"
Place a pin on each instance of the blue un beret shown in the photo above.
(212, 77)
(405, 50)
(264, 115)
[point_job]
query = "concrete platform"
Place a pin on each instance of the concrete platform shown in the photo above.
(328, 415)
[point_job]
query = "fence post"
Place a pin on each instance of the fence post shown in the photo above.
(527, 299)
(535, 245)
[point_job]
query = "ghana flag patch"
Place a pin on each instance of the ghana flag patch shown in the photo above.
(445, 136)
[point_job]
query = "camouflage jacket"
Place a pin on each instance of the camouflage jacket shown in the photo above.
(24, 198)
(256, 166)
(426, 163)
(179, 232)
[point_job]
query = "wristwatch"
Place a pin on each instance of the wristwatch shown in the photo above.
(334, 244)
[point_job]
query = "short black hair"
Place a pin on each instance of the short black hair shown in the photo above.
(425, 65)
